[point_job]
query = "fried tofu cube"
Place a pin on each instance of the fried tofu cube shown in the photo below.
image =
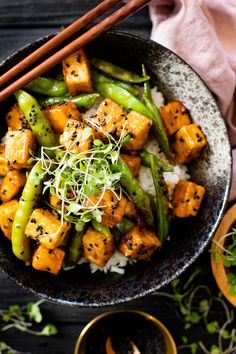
(130, 209)
(11, 185)
(137, 125)
(188, 143)
(46, 227)
(18, 146)
(97, 248)
(187, 199)
(7, 215)
(15, 119)
(174, 115)
(107, 119)
(133, 162)
(55, 202)
(48, 260)
(4, 168)
(59, 114)
(139, 243)
(113, 208)
(77, 73)
(76, 136)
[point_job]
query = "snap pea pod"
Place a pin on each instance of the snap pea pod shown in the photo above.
(100, 78)
(39, 124)
(146, 159)
(122, 97)
(117, 72)
(125, 225)
(157, 121)
(29, 198)
(163, 221)
(84, 101)
(101, 228)
(75, 247)
(47, 86)
(135, 191)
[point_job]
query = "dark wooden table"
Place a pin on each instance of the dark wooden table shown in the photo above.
(21, 22)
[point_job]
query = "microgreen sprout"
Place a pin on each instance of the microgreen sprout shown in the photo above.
(22, 318)
(228, 256)
(196, 302)
(75, 178)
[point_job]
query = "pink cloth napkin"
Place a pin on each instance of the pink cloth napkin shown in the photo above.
(203, 33)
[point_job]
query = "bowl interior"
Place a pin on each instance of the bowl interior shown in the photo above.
(189, 237)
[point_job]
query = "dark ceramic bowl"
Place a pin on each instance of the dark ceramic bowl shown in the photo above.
(188, 237)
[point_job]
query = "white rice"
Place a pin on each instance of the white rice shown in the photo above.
(118, 261)
(116, 264)
(171, 178)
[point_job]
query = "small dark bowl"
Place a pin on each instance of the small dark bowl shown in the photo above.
(122, 326)
(188, 237)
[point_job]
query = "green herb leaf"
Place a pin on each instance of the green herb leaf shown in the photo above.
(193, 317)
(34, 312)
(212, 327)
(49, 330)
(215, 349)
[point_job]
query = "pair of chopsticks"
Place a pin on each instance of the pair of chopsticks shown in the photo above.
(125, 11)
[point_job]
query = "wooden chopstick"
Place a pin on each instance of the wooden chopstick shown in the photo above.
(53, 43)
(119, 15)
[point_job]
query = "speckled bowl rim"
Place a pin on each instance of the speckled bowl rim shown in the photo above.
(193, 256)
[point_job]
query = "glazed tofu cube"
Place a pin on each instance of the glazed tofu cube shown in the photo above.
(18, 146)
(4, 168)
(76, 136)
(113, 208)
(97, 248)
(137, 125)
(59, 114)
(48, 260)
(11, 185)
(46, 227)
(139, 243)
(77, 73)
(188, 143)
(107, 119)
(55, 202)
(187, 199)
(7, 214)
(174, 115)
(15, 119)
(133, 162)
(130, 209)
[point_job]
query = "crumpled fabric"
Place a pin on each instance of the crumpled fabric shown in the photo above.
(203, 33)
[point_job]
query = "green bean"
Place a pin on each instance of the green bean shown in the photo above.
(83, 102)
(47, 86)
(117, 235)
(117, 72)
(146, 159)
(100, 78)
(125, 225)
(135, 191)
(101, 228)
(30, 196)
(161, 196)
(157, 121)
(75, 247)
(39, 124)
(122, 97)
